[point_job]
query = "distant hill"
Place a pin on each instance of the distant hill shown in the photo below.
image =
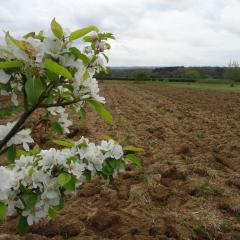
(165, 72)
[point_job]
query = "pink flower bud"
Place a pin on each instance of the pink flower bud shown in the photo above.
(97, 44)
(94, 35)
(101, 46)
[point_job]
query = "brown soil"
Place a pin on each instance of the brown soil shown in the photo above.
(191, 138)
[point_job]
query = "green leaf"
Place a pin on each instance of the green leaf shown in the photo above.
(105, 36)
(61, 202)
(79, 55)
(106, 57)
(71, 185)
(34, 35)
(133, 149)
(63, 179)
(52, 213)
(88, 39)
(63, 143)
(112, 163)
(82, 114)
(87, 173)
(31, 171)
(82, 32)
(30, 34)
(57, 127)
(56, 29)
(101, 110)
(134, 159)
(11, 153)
(57, 68)
(82, 145)
(72, 159)
(108, 46)
(34, 89)
(35, 150)
(7, 87)
(30, 200)
(3, 210)
(110, 166)
(23, 226)
(52, 76)
(86, 75)
(82, 118)
(11, 64)
(21, 152)
(107, 170)
(106, 137)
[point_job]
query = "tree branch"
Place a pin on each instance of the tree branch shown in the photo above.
(62, 104)
(28, 112)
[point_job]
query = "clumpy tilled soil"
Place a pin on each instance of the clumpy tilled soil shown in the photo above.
(189, 185)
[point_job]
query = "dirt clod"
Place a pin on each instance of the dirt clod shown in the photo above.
(103, 220)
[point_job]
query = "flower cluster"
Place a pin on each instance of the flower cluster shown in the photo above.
(36, 183)
(50, 61)
(48, 71)
(63, 119)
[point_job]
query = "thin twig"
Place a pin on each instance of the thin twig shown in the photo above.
(62, 104)
(37, 124)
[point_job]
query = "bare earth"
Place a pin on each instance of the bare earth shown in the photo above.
(189, 186)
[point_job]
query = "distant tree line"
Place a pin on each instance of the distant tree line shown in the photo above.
(175, 74)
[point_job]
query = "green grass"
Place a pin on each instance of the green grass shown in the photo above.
(220, 87)
(162, 111)
(237, 214)
(205, 189)
(226, 226)
(5, 112)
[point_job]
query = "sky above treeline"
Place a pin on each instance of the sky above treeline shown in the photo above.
(149, 32)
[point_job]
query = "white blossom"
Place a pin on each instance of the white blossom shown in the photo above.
(14, 99)
(22, 137)
(112, 149)
(4, 78)
(6, 182)
(65, 122)
(38, 174)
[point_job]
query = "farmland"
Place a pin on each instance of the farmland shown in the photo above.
(189, 184)
(222, 87)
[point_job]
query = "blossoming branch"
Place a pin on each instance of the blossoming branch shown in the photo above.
(46, 70)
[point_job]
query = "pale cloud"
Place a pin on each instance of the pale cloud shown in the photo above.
(149, 32)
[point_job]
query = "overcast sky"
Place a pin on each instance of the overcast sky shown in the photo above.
(149, 32)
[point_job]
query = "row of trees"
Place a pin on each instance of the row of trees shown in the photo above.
(232, 73)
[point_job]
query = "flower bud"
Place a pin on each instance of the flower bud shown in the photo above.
(94, 35)
(100, 46)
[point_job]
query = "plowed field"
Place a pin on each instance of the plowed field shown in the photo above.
(189, 185)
